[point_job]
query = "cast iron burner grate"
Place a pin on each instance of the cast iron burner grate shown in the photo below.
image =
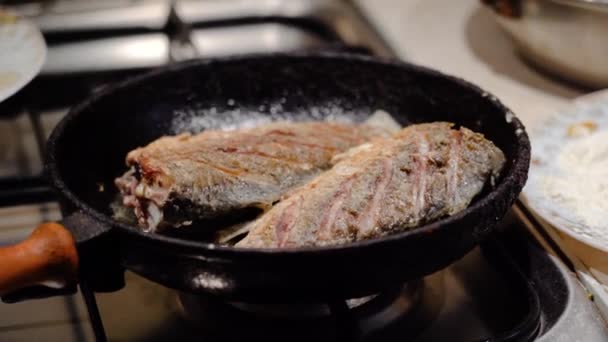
(400, 313)
(350, 320)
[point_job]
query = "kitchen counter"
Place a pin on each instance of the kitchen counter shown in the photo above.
(461, 38)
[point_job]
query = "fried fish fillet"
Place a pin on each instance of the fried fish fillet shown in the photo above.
(177, 179)
(423, 173)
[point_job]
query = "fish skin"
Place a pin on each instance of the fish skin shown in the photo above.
(214, 173)
(423, 173)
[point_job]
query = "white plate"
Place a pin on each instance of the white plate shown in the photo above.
(22, 53)
(569, 161)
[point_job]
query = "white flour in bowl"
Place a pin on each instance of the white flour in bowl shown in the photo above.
(568, 182)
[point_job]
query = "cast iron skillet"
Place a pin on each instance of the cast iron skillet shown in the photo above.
(87, 150)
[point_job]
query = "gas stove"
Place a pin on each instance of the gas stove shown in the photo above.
(515, 287)
(506, 290)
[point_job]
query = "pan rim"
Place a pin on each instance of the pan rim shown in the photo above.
(515, 178)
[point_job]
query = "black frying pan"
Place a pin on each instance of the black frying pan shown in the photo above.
(87, 150)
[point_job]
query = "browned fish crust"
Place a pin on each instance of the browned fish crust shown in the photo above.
(425, 172)
(177, 179)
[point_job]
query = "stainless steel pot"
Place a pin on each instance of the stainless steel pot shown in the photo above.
(568, 38)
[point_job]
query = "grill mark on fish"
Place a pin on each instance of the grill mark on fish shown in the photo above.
(286, 140)
(323, 132)
(336, 131)
(421, 174)
(336, 202)
(194, 157)
(220, 143)
(230, 171)
(280, 132)
(263, 155)
(370, 216)
(290, 142)
(454, 159)
(287, 221)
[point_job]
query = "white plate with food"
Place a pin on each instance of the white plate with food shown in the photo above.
(22, 53)
(568, 179)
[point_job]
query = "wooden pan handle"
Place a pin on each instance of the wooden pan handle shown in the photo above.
(47, 257)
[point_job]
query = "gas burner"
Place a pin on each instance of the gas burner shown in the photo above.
(402, 311)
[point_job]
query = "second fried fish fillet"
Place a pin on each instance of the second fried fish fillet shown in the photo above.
(423, 173)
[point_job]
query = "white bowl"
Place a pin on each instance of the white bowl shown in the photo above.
(566, 172)
(22, 53)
